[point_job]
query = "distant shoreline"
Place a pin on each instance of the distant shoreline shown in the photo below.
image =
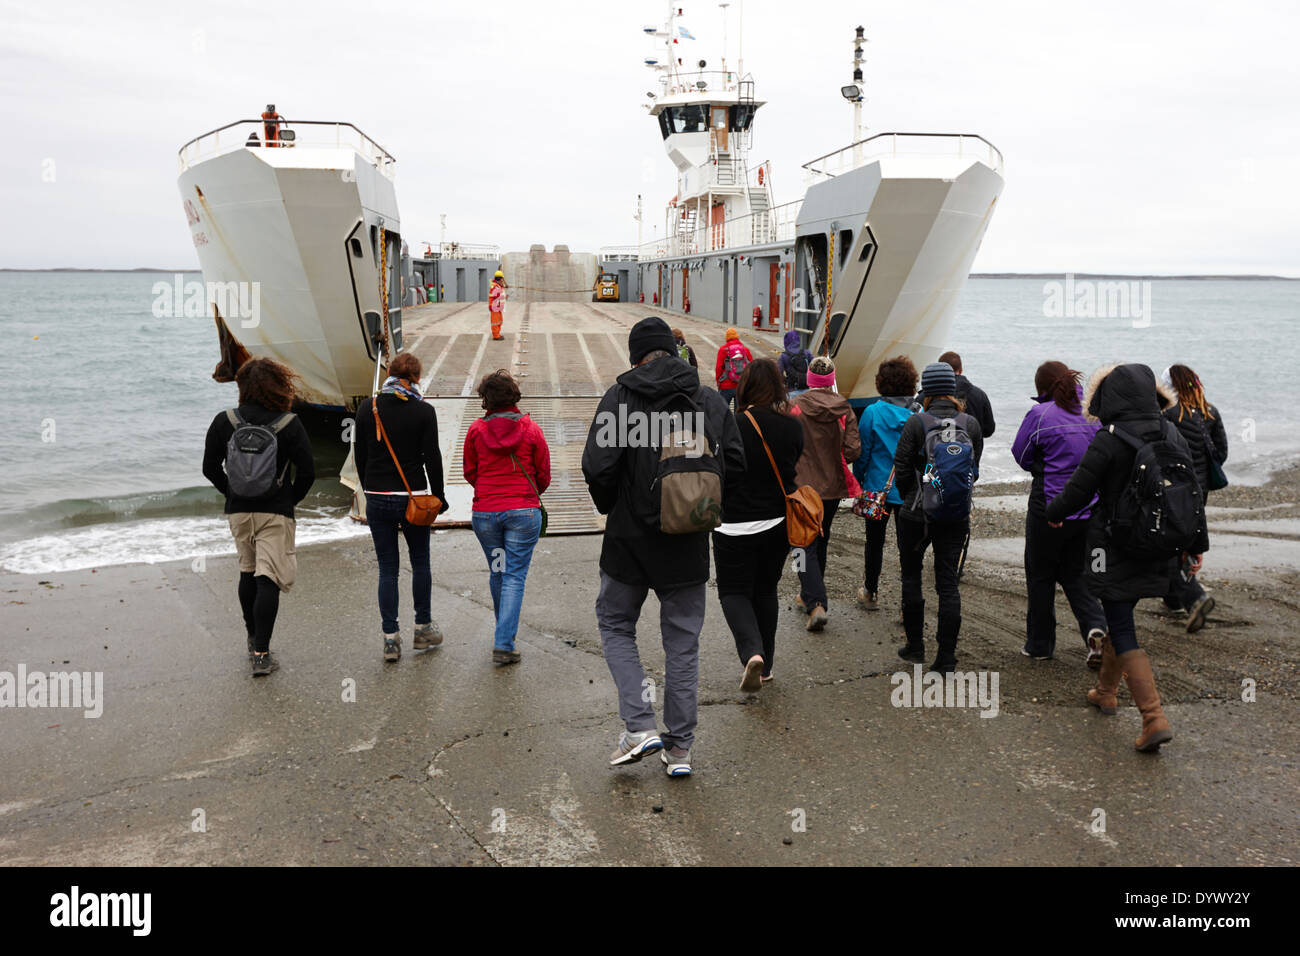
(973, 275)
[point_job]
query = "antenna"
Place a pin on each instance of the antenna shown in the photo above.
(724, 41)
(740, 43)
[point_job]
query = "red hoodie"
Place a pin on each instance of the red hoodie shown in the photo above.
(489, 443)
(728, 348)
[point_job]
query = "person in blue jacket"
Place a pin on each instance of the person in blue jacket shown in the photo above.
(879, 426)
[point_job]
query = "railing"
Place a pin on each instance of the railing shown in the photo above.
(689, 82)
(771, 225)
(864, 151)
(320, 133)
(465, 250)
(619, 253)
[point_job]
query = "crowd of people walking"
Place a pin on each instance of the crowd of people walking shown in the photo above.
(758, 468)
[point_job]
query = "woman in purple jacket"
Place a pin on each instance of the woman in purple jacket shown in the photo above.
(1050, 445)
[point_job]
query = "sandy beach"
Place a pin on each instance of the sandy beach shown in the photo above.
(444, 759)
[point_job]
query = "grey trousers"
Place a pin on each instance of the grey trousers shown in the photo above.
(681, 615)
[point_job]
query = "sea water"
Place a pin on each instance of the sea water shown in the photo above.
(107, 404)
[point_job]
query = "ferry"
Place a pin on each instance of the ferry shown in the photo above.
(868, 264)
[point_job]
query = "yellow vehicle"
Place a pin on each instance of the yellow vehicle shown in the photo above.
(606, 288)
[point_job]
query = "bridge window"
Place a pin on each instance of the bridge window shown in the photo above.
(741, 117)
(684, 119)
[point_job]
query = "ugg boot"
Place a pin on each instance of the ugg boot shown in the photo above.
(1142, 685)
(1103, 695)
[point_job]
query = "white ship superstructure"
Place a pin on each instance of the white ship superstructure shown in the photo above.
(866, 266)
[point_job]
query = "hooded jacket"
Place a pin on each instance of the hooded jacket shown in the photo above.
(794, 347)
(500, 485)
(728, 349)
(1123, 396)
(830, 438)
(1050, 444)
(880, 427)
(1194, 429)
(909, 457)
(620, 479)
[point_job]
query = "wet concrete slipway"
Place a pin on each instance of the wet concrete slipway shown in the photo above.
(443, 758)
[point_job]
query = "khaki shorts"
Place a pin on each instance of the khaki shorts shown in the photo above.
(265, 545)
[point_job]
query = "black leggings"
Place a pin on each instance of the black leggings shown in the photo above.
(875, 548)
(259, 598)
(748, 569)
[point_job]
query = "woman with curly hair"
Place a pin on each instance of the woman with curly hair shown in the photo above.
(263, 525)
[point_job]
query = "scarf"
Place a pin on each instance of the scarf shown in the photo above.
(401, 388)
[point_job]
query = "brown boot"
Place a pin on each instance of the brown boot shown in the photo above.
(1103, 695)
(1142, 685)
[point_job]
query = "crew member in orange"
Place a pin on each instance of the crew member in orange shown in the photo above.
(497, 304)
(271, 125)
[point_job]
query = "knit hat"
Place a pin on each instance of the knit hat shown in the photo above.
(821, 372)
(938, 379)
(650, 334)
(732, 334)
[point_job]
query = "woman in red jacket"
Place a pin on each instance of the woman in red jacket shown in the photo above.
(509, 464)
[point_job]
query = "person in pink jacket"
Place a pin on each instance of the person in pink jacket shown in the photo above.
(508, 462)
(733, 358)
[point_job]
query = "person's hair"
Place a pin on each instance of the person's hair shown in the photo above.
(953, 359)
(265, 382)
(762, 386)
(677, 334)
(652, 355)
(896, 376)
(821, 365)
(1190, 392)
(498, 390)
(407, 366)
(1060, 383)
(925, 402)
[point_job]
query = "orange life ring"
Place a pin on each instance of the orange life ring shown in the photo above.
(760, 175)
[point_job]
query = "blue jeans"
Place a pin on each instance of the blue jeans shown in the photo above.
(385, 514)
(1120, 625)
(507, 539)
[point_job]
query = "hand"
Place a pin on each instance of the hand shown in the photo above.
(1195, 561)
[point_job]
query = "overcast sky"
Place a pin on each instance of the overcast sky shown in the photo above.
(1143, 136)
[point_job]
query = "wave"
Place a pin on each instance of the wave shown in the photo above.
(149, 542)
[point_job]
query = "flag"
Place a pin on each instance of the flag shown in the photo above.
(685, 33)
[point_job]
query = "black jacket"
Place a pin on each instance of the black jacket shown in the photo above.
(620, 479)
(293, 447)
(1193, 428)
(1126, 397)
(412, 427)
(909, 456)
(976, 401)
(754, 494)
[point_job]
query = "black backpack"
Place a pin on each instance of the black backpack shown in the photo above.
(796, 371)
(1160, 511)
(686, 490)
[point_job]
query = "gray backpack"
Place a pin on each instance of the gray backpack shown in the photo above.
(251, 454)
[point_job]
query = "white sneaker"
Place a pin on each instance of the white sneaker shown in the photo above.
(677, 762)
(632, 747)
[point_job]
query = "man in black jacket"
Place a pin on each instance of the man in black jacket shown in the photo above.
(916, 532)
(637, 557)
(263, 528)
(977, 403)
(1122, 397)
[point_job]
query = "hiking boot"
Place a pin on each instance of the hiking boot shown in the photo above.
(264, 664)
(1142, 686)
(505, 657)
(1094, 641)
(1103, 695)
(677, 762)
(942, 666)
(1196, 616)
(392, 647)
(867, 599)
(426, 636)
(752, 681)
(632, 747)
(817, 619)
(798, 602)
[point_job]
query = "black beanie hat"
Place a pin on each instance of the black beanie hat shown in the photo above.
(650, 334)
